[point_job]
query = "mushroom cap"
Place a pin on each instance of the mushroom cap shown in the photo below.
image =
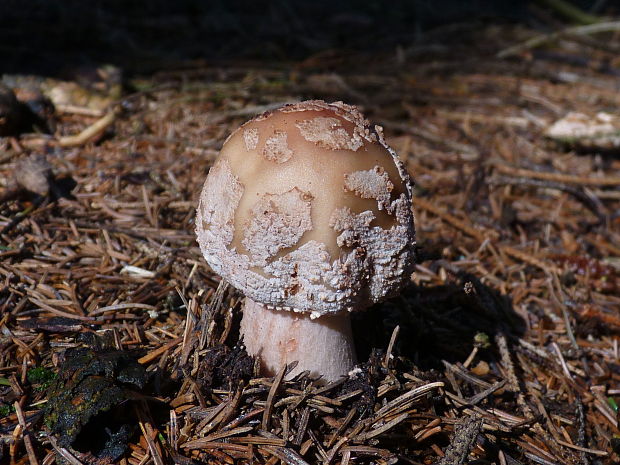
(308, 209)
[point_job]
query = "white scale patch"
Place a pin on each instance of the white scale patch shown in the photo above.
(278, 221)
(219, 199)
(370, 184)
(276, 148)
(328, 133)
(250, 137)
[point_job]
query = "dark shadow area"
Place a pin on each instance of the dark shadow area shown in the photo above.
(437, 322)
(60, 38)
(106, 435)
(62, 187)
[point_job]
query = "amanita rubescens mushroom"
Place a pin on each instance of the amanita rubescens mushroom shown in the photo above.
(307, 211)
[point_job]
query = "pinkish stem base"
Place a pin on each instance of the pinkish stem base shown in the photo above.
(324, 346)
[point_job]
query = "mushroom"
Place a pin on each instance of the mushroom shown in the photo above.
(307, 211)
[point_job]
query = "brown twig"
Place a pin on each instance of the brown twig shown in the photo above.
(546, 38)
(557, 177)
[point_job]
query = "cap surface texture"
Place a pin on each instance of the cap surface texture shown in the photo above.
(308, 209)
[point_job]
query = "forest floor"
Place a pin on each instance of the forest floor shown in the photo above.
(118, 344)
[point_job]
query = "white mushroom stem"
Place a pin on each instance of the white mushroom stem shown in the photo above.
(324, 346)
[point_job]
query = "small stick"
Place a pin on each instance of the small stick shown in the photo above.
(174, 431)
(585, 197)
(77, 110)
(332, 453)
(388, 354)
(157, 352)
(600, 453)
(482, 235)
(448, 218)
(64, 453)
(431, 137)
(302, 426)
(558, 302)
(272, 392)
(511, 377)
(557, 177)
(534, 42)
(26, 435)
(529, 259)
(381, 429)
(581, 428)
(569, 11)
(486, 393)
(286, 455)
(465, 375)
(147, 433)
(342, 427)
(78, 139)
(561, 359)
(462, 441)
(93, 130)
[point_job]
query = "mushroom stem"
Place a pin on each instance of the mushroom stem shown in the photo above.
(323, 345)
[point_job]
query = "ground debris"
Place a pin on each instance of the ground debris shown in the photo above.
(463, 440)
(591, 133)
(92, 383)
(507, 344)
(222, 367)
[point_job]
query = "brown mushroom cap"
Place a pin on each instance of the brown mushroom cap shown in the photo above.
(308, 209)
